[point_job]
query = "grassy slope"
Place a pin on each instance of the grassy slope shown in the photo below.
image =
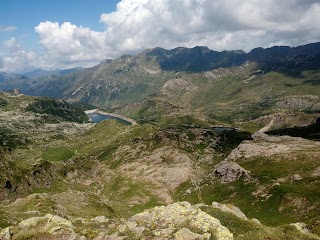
(84, 167)
(233, 95)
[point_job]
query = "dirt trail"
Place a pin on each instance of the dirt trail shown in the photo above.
(268, 126)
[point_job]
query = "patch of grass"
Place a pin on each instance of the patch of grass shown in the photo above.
(57, 154)
(122, 190)
(55, 187)
(33, 235)
(248, 230)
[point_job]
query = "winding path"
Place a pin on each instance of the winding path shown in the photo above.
(268, 126)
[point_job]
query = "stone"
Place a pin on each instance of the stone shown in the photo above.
(229, 171)
(302, 227)
(186, 234)
(296, 177)
(104, 236)
(230, 209)
(100, 219)
(164, 233)
(260, 136)
(55, 225)
(5, 234)
(316, 172)
(188, 192)
(256, 221)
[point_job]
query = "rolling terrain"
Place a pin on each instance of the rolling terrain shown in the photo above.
(210, 158)
(229, 86)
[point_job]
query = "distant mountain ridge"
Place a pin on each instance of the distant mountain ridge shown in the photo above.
(199, 59)
(191, 78)
(37, 73)
(7, 76)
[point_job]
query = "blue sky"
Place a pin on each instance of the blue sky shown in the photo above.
(25, 15)
(51, 34)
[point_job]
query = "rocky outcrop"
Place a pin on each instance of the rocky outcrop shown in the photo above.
(176, 221)
(165, 167)
(230, 209)
(5, 234)
(261, 136)
(46, 227)
(230, 172)
(298, 102)
(176, 85)
(264, 145)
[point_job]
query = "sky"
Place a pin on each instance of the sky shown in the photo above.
(52, 34)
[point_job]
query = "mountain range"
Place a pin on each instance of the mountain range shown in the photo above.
(198, 79)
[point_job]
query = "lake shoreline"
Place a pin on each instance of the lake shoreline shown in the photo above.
(115, 115)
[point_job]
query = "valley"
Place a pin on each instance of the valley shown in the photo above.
(221, 145)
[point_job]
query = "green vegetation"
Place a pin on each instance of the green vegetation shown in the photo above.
(58, 110)
(10, 139)
(57, 154)
(53, 165)
(36, 235)
(248, 230)
(3, 102)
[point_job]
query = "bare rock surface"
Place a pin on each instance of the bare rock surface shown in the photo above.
(231, 209)
(178, 84)
(175, 221)
(229, 171)
(264, 145)
(49, 225)
(165, 167)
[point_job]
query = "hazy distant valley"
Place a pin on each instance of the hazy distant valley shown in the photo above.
(226, 147)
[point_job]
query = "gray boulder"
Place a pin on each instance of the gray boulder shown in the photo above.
(229, 171)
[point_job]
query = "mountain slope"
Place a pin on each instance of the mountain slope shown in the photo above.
(115, 171)
(229, 86)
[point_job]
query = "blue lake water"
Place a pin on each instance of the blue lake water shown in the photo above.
(97, 117)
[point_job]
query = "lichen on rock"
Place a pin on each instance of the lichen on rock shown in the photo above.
(177, 221)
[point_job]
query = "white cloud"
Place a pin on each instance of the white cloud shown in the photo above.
(12, 45)
(7, 28)
(219, 24)
(140, 24)
(18, 60)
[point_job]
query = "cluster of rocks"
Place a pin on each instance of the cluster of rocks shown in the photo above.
(179, 221)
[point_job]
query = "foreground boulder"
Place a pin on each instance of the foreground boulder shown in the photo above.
(46, 227)
(179, 221)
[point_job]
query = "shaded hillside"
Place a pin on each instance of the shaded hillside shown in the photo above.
(287, 60)
(58, 109)
(309, 132)
(198, 59)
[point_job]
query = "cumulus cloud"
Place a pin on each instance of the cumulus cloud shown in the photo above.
(18, 60)
(70, 44)
(141, 24)
(7, 28)
(219, 24)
